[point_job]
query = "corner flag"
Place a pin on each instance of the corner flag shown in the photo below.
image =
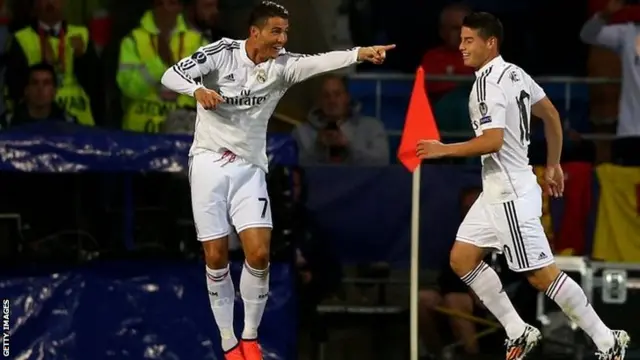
(419, 124)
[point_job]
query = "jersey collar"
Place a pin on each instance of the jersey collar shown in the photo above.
(243, 53)
(496, 60)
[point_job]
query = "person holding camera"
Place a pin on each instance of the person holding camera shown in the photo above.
(336, 133)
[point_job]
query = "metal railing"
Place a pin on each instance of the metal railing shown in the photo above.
(568, 81)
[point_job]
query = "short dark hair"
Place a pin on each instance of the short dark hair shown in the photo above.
(46, 67)
(266, 10)
(486, 24)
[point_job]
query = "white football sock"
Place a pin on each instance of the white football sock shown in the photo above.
(254, 289)
(573, 302)
(221, 297)
(484, 281)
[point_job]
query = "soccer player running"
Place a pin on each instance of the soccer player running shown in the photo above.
(228, 159)
(506, 216)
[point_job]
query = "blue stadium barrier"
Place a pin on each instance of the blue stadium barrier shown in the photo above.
(134, 310)
(363, 212)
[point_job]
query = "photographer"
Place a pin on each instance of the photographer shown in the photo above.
(337, 134)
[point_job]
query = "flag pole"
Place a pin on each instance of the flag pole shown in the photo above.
(415, 257)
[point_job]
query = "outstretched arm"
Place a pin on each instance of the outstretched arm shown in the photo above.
(299, 67)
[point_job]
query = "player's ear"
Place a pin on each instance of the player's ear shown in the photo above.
(253, 31)
(493, 42)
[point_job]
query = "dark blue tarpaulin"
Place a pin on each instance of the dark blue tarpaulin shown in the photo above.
(71, 148)
(161, 311)
(134, 310)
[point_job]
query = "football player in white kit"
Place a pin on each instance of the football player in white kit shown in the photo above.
(506, 216)
(228, 160)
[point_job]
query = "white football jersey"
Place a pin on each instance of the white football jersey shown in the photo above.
(501, 97)
(251, 93)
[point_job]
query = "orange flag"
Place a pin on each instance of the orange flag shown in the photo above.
(418, 125)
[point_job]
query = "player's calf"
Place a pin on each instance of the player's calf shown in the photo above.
(254, 283)
(570, 297)
(484, 281)
(221, 291)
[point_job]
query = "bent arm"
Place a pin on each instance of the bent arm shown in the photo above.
(492, 126)
(596, 32)
(545, 110)
(185, 77)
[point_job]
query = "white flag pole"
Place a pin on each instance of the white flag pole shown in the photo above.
(415, 257)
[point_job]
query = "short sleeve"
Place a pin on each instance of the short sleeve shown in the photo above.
(493, 107)
(537, 93)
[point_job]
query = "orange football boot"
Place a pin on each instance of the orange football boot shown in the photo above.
(234, 354)
(251, 349)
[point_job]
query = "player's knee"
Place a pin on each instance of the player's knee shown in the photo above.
(464, 257)
(255, 242)
(542, 278)
(216, 254)
(258, 256)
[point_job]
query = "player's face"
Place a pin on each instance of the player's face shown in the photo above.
(207, 12)
(475, 50)
(40, 90)
(334, 100)
(272, 36)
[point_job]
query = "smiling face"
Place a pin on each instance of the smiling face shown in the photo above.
(271, 37)
(480, 39)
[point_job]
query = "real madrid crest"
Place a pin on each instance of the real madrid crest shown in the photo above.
(261, 76)
(483, 109)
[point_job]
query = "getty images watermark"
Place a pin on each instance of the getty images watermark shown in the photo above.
(6, 337)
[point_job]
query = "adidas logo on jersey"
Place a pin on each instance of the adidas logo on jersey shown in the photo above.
(542, 256)
(230, 77)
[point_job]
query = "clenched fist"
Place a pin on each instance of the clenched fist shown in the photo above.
(209, 99)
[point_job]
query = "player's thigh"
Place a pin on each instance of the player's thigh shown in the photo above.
(475, 237)
(249, 204)
(476, 228)
(209, 189)
(524, 242)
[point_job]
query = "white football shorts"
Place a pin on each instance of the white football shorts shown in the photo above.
(513, 228)
(227, 191)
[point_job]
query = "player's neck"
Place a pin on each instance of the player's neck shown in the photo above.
(488, 60)
(253, 52)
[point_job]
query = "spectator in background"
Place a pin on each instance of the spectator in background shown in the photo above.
(39, 100)
(444, 288)
(202, 16)
(446, 59)
(5, 41)
(622, 38)
(161, 40)
(336, 133)
(68, 49)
